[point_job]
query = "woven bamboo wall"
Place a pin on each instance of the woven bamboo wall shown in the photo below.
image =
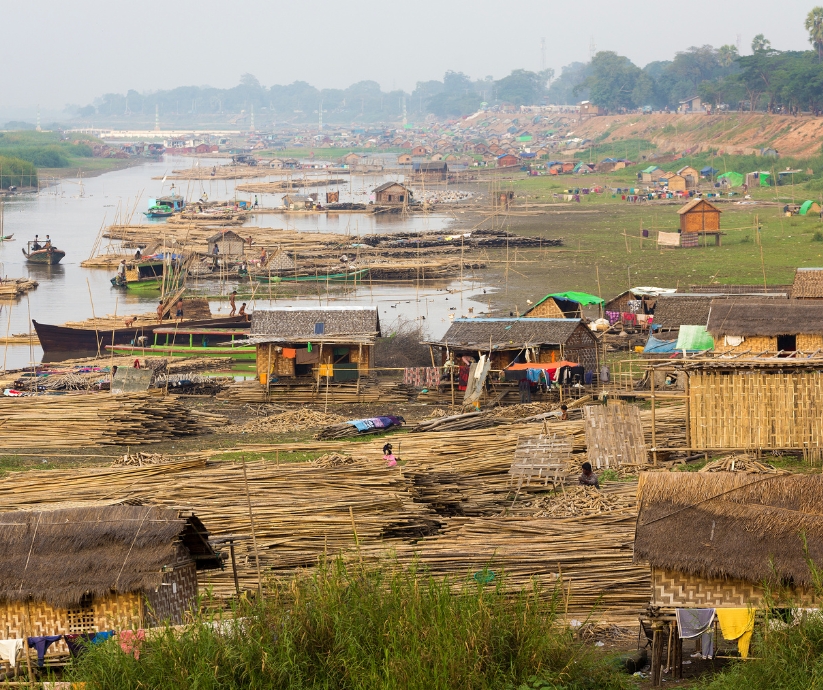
(756, 409)
(115, 612)
(547, 310)
(670, 588)
(809, 342)
(174, 598)
(753, 344)
(614, 436)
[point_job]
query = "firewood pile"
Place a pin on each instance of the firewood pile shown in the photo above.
(741, 462)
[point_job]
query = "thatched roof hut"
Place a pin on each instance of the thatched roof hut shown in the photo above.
(808, 283)
(745, 531)
(767, 317)
(61, 556)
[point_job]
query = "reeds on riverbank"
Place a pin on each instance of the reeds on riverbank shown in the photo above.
(348, 626)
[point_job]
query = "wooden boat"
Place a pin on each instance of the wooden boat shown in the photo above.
(45, 255)
(159, 212)
(242, 352)
(63, 342)
(145, 275)
(7, 238)
(317, 278)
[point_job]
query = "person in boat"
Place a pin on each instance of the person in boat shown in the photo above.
(263, 257)
(243, 269)
(35, 246)
(255, 201)
(178, 314)
(242, 311)
(232, 303)
(138, 255)
(120, 278)
(47, 244)
(160, 311)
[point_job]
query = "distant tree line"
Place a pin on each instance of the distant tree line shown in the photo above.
(766, 79)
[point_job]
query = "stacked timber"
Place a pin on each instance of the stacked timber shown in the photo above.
(15, 287)
(301, 392)
(89, 420)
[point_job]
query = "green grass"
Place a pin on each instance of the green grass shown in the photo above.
(345, 626)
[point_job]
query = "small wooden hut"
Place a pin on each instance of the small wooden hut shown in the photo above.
(761, 326)
(91, 568)
(228, 243)
(295, 343)
(699, 216)
(508, 341)
(392, 194)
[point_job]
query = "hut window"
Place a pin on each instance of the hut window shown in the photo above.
(787, 343)
(81, 619)
(319, 328)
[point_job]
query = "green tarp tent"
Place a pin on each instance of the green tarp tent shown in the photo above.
(582, 298)
(765, 179)
(809, 207)
(694, 339)
(735, 179)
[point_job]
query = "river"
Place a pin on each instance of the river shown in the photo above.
(74, 211)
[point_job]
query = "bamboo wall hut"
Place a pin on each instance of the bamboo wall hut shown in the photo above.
(332, 342)
(562, 305)
(392, 194)
(760, 326)
(508, 341)
(747, 533)
(91, 568)
(228, 243)
(699, 216)
(808, 284)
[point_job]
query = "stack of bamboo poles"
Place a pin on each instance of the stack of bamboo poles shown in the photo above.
(97, 419)
(14, 287)
(368, 391)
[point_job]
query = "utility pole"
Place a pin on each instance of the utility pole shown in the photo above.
(251, 127)
(156, 117)
(38, 118)
(405, 118)
(542, 54)
(320, 118)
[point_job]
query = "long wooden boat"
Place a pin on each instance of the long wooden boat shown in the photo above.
(49, 255)
(241, 352)
(317, 278)
(63, 342)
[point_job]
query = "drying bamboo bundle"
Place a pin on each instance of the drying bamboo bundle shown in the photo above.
(286, 185)
(580, 500)
(14, 287)
(741, 462)
(285, 422)
(459, 422)
(141, 459)
(220, 172)
(368, 391)
(96, 419)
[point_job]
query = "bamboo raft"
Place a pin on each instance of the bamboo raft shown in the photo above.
(16, 287)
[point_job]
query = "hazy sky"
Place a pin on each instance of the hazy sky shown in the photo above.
(71, 52)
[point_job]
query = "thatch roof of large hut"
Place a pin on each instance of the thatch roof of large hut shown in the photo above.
(59, 556)
(766, 317)
(750, 527)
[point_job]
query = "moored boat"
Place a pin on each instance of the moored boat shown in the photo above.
(317, 278)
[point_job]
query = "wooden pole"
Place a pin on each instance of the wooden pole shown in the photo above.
(688, 411)
(253, 533)
(234, 568)
(654, 430)
(356, 539)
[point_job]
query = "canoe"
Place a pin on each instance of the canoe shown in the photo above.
(50, 256)
(245, 352)
(64, 342)
(321, 278)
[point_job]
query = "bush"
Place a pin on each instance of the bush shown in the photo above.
(817, 237)
(402, 348)
(16, 172)
(367, 628)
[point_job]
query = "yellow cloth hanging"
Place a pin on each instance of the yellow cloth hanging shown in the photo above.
(737, 624)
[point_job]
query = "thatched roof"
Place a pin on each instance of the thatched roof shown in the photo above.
(730, 524)
(765, 317)
(808, 283)
(510, 334)
(781, 290)
(58, 556)
(700, 204)
(685, 309)
(297, 325)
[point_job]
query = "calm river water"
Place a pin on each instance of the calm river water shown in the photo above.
(73, 215)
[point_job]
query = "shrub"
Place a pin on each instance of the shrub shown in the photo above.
(817, 237)
(402, 348)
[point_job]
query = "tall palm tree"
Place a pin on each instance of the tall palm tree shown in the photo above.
(760, 44)
(814, 25)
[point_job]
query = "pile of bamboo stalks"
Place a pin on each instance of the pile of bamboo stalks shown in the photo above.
(285, 422)
(88, 420)
(368, 391)
(578, 501)
(15, 287)
(741, 462)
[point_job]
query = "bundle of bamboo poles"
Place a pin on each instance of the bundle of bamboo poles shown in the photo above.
(97, 419)
(368, 391)
(459, 422)
(14, 287)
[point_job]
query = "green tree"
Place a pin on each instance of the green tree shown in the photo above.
(761, 44)
(814, 25)
(727, 55)
(612, 81)
(522, 87)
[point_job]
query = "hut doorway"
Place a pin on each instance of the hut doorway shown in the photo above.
(786, 343)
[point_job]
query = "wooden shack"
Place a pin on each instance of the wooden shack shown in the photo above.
(99, 567)
(750, 538)
(297, 202)
(699, 216)
(690, 175)
(764, 326)
(676, 183)
(228, 243)
(562, 305)
(433, 171)
(507, 160)
(295, 343)
(508, 340)
(392, 194)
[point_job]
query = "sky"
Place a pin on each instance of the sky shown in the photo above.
(70, 53)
